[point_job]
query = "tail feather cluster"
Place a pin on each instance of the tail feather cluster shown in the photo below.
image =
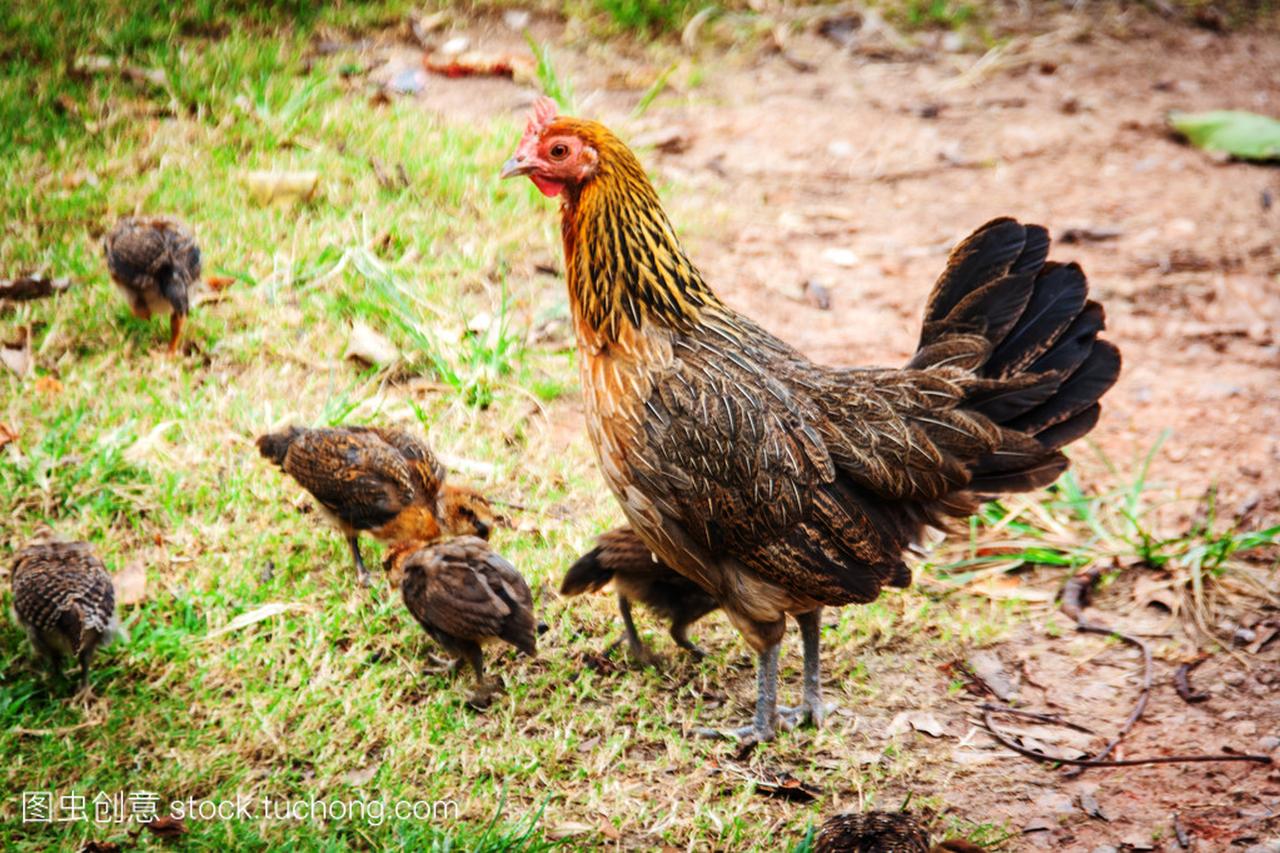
(1029, 333)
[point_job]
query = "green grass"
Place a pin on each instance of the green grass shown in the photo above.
(152, 459)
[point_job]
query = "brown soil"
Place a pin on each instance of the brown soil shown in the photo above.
(891, 162)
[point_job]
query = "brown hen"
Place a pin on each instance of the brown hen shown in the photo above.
(154, 262)
(779, 485)
(465, 595)
(63, 598)
(622, 559)
(381, 481)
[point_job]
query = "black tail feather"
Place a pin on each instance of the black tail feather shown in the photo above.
(588, 574)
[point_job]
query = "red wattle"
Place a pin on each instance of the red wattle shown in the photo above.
(550, 189)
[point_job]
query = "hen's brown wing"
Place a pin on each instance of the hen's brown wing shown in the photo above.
(472, 593)
(354, 474)
(428, 468)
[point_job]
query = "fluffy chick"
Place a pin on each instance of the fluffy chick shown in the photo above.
(63, 598)
(882, 832)
(621, 558)
(381, 481)
(465, 595)
(154, 262)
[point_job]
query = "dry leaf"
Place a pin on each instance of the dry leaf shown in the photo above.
(282, 187)
(921, 721)
(218, 283)
(31, 287)
(988, 669)
(48, 385)
(476, 63)
(370, 347)
(166, 826)
(7, 435)
(253, 617)
(361, 775)
(567, 829)
(16, 354)
(149, 445)
(131, 583)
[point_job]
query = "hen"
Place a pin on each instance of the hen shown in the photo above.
(154, 262)
(882, 832)
(381, 481)
(778, 485)
(63, 598)
(465, 595)
(621, 558)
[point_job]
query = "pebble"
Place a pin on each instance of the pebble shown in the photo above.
(1245, 728)
(1269, 743)
(1105, 848)
(1235, 678)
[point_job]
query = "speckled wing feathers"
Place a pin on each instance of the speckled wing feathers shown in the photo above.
(361, 479)
(61, 587)
(153, 257)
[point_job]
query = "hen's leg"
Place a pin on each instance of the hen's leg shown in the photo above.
(811, 708)
(765, 726)
(482, 696)
(362, 573)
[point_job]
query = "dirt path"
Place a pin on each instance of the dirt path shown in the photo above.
(861, 174)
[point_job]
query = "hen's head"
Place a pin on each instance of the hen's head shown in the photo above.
(557, 151)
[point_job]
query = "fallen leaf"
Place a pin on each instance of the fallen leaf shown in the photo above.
(282, 187)
(253, 617)
(840, 257)
(361, 775)
(150, 445)
(7, 435)
(1089, 805)
(166, 826)
(921, 721)
(48, 385)
(370, 347)
(218, 283)
(816, 294)
(568, 829)
(31, 287)
(988, 669)
(131, 583)
(1244, 135)
(519, 67)
(16, 354)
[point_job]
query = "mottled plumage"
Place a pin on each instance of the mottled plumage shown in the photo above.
(154, 262)
(779, 485)
(381, 481)
(882, 832)
(621, 558)
(63, 597)
(465, 595)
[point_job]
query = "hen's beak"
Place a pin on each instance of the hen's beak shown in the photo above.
(516, 166)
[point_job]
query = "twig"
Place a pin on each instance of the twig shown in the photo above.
(1184, 841)
(1038, 716)
(1124, 762)
(1183, 686)
(58, 732)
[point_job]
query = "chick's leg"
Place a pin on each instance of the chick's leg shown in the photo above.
(176, 322)
(635, 645)
(680, 633)
(362, 573)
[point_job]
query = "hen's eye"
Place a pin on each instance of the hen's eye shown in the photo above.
(559, 151)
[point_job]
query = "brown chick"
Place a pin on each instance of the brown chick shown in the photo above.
(882, 832)
(154, 262)
(381, 481)
(465, 595)
(621, 558)
(63, 598)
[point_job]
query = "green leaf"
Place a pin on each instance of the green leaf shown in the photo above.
(1245, 135)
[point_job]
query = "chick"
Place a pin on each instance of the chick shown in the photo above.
(882, 832)
(381, 481)
(154, 262)
(63, 598)
(465, 595)
(622, 559)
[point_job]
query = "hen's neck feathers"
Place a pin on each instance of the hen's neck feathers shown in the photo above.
(623, 262)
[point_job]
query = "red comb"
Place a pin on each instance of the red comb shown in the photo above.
(544, 112)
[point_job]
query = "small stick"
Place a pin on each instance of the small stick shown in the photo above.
(1034, 715)
(1184, 840)
(1124, 762)
(1183, 686)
